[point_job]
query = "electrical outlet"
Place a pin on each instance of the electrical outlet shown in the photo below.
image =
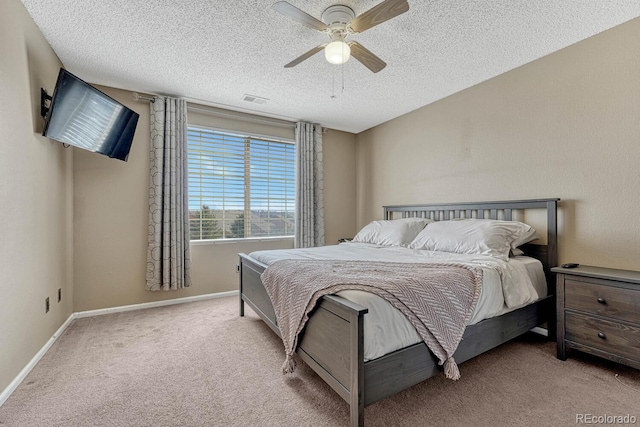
(46, 305)
(59, 294)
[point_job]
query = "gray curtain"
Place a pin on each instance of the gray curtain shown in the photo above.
(309, 186)
(168, 255)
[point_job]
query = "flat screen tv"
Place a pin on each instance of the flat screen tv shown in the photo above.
(82, 116)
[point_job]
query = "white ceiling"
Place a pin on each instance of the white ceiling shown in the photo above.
(214, 52)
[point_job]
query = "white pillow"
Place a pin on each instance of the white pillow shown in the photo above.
(394, 232)
(516, 252)
(474, 236)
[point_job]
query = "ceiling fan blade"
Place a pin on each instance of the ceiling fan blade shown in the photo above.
(305, 56)
(378, 14)
(302, 17)
(366, 57)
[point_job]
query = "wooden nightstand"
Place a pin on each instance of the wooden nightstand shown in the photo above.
(599, 313)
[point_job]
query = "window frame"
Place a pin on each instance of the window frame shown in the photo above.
(250, 136)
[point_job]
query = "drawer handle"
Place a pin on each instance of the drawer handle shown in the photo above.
(602, 335)
(602, 300)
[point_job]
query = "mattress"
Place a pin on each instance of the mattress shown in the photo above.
(507, 285)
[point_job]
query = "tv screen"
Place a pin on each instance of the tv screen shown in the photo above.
(82, 116)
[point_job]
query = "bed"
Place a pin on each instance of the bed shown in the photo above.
(333, 340)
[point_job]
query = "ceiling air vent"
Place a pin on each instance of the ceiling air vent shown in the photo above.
(254, 99)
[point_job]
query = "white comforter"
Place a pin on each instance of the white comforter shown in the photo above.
(506, 287)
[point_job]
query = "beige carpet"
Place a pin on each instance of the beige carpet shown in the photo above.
(199, 364)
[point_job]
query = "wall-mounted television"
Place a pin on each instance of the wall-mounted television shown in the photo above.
(82, 116)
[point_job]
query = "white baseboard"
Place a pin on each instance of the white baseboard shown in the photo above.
(123, 308)
(33, 362)
(91, 313)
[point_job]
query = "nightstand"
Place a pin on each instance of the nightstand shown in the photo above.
(598, 312)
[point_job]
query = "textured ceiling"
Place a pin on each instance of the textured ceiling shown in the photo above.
(214, 52)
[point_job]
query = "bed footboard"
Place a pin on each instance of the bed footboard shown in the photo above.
(253, 293)
(332, 343)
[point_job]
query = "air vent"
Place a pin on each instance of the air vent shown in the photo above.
(254, 99)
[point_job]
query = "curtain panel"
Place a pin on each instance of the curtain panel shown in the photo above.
(168, 253)
(309, 186)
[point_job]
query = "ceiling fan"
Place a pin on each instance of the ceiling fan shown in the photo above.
(339, 22)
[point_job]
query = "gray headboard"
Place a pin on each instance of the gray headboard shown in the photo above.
(547, 254)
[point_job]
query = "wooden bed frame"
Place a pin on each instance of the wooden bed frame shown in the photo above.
(332, 341)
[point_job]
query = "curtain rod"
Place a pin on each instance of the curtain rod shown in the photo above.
(138, 97)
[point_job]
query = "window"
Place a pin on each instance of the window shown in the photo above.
(240, 186)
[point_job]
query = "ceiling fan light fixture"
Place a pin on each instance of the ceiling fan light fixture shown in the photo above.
(339, 22)
(337, 52)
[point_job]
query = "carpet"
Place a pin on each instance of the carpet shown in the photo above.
(200, 364)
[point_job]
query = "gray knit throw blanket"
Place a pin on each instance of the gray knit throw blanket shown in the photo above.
(437, 298)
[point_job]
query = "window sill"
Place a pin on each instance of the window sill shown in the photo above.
(247, 240)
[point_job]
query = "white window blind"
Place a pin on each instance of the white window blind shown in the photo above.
(240, 186)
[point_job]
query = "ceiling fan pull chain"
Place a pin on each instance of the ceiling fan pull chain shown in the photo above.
(342, 66)
(333, 84)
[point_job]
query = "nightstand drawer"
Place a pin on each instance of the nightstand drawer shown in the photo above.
(608, 301)
(612, 337)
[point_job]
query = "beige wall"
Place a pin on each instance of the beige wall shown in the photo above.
(566, 125)
(110, 224)
(35, 198)
(340, 185)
